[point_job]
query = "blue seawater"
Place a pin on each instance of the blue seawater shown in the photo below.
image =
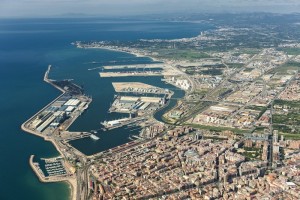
(27, 47)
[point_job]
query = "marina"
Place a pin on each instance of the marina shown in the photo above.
(51, 170)
(55, 168)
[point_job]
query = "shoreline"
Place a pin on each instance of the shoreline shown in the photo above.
(72, 183)
(167, 70)
(118, 49)
(137, 54)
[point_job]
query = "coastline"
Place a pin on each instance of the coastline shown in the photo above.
(118, 49)
(137, 54)
(72, 182)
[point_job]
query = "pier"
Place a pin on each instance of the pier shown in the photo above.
(139, 88)
(50, 122)
(109, 125)
(137, 66)
(70, 136)
(50, 81)
(131, 73)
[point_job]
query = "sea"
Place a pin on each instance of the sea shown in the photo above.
(27, 47)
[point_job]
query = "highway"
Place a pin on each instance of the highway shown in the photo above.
(199, 106)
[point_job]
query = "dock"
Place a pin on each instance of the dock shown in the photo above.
(50, 122)
(70, 136)
(113, 124)
(138, 87)
(131, 73)
(138, 66)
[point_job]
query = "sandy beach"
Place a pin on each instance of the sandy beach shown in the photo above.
(71, 180)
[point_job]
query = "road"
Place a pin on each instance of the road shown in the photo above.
(82, 182)
(199, 106)
(271, 119)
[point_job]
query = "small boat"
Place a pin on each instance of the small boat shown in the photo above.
(94, 137)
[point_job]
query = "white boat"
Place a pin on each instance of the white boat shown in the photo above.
(94, 137)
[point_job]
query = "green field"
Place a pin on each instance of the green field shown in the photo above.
(289, 119)
(235, 65)
(258, 108)
(288, 66)
(252, 153)
(178, 54)
(219, 129)
(291, 136)
(248, 69)
(292, 104)
(291, 51)
(292, 132)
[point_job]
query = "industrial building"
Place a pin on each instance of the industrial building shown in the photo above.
(56, 113)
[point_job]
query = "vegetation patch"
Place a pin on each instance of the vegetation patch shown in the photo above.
(235, 65)
(292, 65)
(252, 153)
(291, 136)
(291, 104)
(290, 51)
(182, 54)
(248, 69)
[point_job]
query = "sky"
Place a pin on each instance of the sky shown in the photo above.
(56, 8)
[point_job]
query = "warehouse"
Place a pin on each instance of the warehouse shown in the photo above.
(72, 102)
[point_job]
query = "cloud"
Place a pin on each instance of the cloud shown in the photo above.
(130, 7)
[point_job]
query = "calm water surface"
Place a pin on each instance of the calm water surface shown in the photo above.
(27, 47)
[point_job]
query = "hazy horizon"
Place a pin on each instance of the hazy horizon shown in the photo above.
(114, 8)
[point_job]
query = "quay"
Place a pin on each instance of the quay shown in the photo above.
(51, 123)
(47, 80)
(137, 66)
(70, 136)
(131, 73)
(58, 115)
(109, 125)
(138, 87)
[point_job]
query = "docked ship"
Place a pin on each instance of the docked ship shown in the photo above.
(94, 137)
